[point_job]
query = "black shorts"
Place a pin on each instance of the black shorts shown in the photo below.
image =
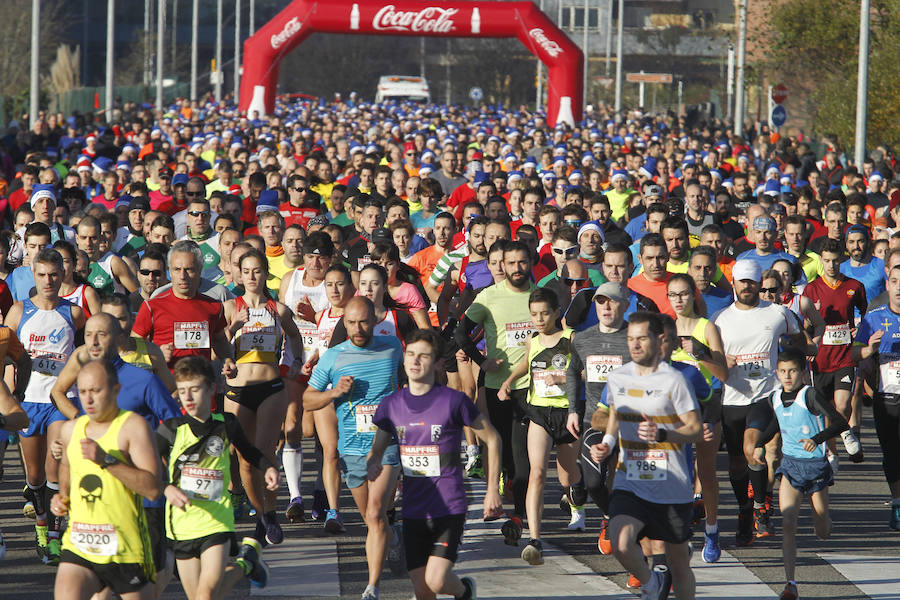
(829, 383)
(185, 549)
(439, 537)
(251, 396)
(711, 410)
(666, 522)
(449, 356)
(159, 544)
(121, 578)
(553, 420)
(734, 422)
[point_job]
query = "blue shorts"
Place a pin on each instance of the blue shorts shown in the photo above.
(807, 475)
(353, 467)
(40, 416)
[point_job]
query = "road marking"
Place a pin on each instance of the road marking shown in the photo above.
(727, 578)
(877, 576)
(302, 567)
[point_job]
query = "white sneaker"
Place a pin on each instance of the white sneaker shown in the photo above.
(577, 523)
(852, 446)
(833, 461)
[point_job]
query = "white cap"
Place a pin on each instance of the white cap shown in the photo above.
(746, 269)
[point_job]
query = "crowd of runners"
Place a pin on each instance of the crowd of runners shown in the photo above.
(434, 294)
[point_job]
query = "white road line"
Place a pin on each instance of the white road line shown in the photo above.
(302, 567)
(877, 576)
(727, 578)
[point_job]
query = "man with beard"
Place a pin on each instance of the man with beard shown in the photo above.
(765, 254)
(862, 266)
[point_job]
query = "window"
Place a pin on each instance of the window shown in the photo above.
(573, 17)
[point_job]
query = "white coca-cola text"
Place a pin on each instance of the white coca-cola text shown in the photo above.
(290, 28)
(549, 46)
(428, 20)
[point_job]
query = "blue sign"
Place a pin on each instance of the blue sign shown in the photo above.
(779, 115)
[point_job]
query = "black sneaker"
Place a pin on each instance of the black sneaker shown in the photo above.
(250, 559)
(763, 522)
(471, 593)
(512, 531)
(744, 535)
(533, 553)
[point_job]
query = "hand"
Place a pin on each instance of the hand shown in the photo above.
(59, 505)
(647, 429)
(708, 433)
(305, 310)
(56, 449)
(271, 477)
(730, 361)
(309, 365)
(229, 369)
(462, 357)
(491, 364)
(599, 452)
(373, 467)
(875, 339)
(573, 425)
(493, 506)
(503, 392)
(687, 344)
(239, 318)
(91, 450)
(167, 351)
(176, 497)
(759, 455)
(808, 445)
(343, 387)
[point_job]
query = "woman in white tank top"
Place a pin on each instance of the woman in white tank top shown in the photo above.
(79, 294)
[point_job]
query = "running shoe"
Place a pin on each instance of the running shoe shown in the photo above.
(633, 582)
(699, 510)
(744, 535)
(395, 553)
(40, 535)
(533, 553)
(853, 447)
(577, 522)
(2, 546)
(501, 485)
(833, 461)
(333, 522)
(564, 503)
(789, 593)
(659, 585)
(319, 505)
(250, 559)
(295, 512)
(259, 534)
(28, 508)
(512, 531)
(603, 543)
(370, 593)
(895, 518)
(712, 552)
(274, 534)
(54, 549)
(474, 467)
(762, 522)
(471, 590)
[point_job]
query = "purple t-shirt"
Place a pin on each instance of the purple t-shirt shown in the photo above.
(429, 429)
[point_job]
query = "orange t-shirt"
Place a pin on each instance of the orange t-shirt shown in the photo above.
(424, 262)
(655, 290)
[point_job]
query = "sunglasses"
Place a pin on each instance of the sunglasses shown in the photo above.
(770, 290)
(193, 194)
(566, 251)
(153, 272)
(198, 213)
(568, 281)
(300, 189)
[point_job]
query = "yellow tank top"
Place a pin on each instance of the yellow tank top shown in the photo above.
(140, 356)
(106, 519)
(546, 363)
(699, 334)
(259, 340)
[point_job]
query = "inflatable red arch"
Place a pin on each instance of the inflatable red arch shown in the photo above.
(565, 63)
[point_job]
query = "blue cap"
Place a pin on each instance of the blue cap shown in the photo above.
(180, 179)
(268, 200)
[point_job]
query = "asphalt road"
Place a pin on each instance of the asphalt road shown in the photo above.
(858, 511)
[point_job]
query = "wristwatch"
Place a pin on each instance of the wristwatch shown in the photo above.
(661, 434)
(108, 461)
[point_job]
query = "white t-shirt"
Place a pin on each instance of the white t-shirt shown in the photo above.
(752, 337)
(656, 472)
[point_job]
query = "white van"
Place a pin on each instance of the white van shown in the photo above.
(402, 88)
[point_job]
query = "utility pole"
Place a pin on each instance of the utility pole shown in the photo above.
(448, 71)
(237, 48)
(146, 42)
(539, 96)
(217, 88)
(252, 17)
(862, 84)
(160, 34)
(739, 108)
(422, 56)
(174, 31)
(729, 84)
(110, 40)
(609, 18)
(619, 53)
(35, 89)
(194, 26)
(586, 51)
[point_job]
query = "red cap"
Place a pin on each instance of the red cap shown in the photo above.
(895, 200)
(409, 146)
(235, 189)
(477, 155)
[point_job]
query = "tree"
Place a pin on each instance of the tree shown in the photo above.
(15, 31)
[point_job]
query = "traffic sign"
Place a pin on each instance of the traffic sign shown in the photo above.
(648, 77)
(779, 115)
(476, 94)
(779, 93)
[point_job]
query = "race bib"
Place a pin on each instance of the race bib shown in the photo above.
(517, 334)
(420, 461)
(202, 484)
(753, 365)
(48, 364)
(890, 374)
(646, 465)
(836, 335)
(544, 386)
(597, 367)
(309, 336)
(98, 540)
(365, 416)
(259, 339)
(192, 335)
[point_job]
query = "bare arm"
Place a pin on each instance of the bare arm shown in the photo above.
(715, 361)
(313, 399)
(159, 366)
(92, 299)
(123, 273)
(487, 434)
(421, 318)
(12, 416)
(64, 383)
(139, 444)
(815, 319)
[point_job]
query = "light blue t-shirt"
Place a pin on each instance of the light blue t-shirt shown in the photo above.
(871, 275)
(374, 369)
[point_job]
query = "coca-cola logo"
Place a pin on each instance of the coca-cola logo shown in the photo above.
(549, 46)
(290, 28)
(428, 20)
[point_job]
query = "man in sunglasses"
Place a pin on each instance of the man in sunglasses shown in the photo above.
(199, 226)
(302, 204)
(151, 276)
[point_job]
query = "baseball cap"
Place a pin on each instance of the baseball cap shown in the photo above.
(746, 269)
(180, 179)
(318, 244)
(382, 235)
(138, 203)
(764, 224)
(612, 290)
(654, 190)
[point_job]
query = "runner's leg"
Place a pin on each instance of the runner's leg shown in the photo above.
(678, 559)
(269, 419)
(212, 571)
(440, 578)
(326, 427)
(380, 493)
(706, 473)
(74, 582)
(789, 500)
(623, 532)
(189, 574)
(539, 445)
